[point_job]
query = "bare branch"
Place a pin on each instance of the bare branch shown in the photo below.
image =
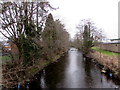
(4, 35)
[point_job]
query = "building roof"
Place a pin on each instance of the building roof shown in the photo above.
(111, 43)
(115, 39)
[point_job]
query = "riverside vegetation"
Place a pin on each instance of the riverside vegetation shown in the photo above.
(110, 60)
(87, 40)
(36, 39)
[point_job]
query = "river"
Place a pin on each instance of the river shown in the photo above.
(72, 71)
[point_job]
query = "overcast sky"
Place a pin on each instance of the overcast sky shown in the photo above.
(104, 13)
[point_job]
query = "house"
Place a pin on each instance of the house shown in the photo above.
(9, 47)
(6, 47)
(115, 40)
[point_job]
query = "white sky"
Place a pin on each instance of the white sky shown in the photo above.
(104, 13)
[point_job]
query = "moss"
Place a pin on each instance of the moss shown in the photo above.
(33, 70)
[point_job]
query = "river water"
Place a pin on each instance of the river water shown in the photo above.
(72, 71)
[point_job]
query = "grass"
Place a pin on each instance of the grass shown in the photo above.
(105, 52)
(5, 59)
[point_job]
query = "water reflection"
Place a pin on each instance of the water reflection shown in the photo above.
(88, 77)
(72, 71)
(42, 80)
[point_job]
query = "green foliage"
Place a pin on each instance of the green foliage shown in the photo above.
(49, 37)
(5, 59)
(87, 40)
(29, 50)
(30, 30)
(29, 37)
(49, 33)
(88, 36)
(54, 38)
(29, 18)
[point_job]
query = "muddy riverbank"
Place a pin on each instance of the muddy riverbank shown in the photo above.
(20, 76)
(71, 71)
(108, 64)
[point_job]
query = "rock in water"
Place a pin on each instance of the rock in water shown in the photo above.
(110, 74)
(103, 71)
(18, 85)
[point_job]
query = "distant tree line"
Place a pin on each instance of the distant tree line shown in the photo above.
(88, 36)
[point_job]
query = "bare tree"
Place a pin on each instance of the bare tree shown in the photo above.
(89, 34)
(22, 23)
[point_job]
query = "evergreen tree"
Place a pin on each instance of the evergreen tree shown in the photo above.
(87, 40)
(49, 37)
(55, 38)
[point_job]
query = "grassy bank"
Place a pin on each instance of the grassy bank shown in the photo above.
(5, 59)
(109, 53)
(108, 59)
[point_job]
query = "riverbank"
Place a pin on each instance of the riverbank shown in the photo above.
(71, 71)
(108, 61)
(21, 75)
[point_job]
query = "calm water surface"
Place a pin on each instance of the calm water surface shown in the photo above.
(72, 71)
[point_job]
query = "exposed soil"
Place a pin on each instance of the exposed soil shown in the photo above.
(108, 63)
